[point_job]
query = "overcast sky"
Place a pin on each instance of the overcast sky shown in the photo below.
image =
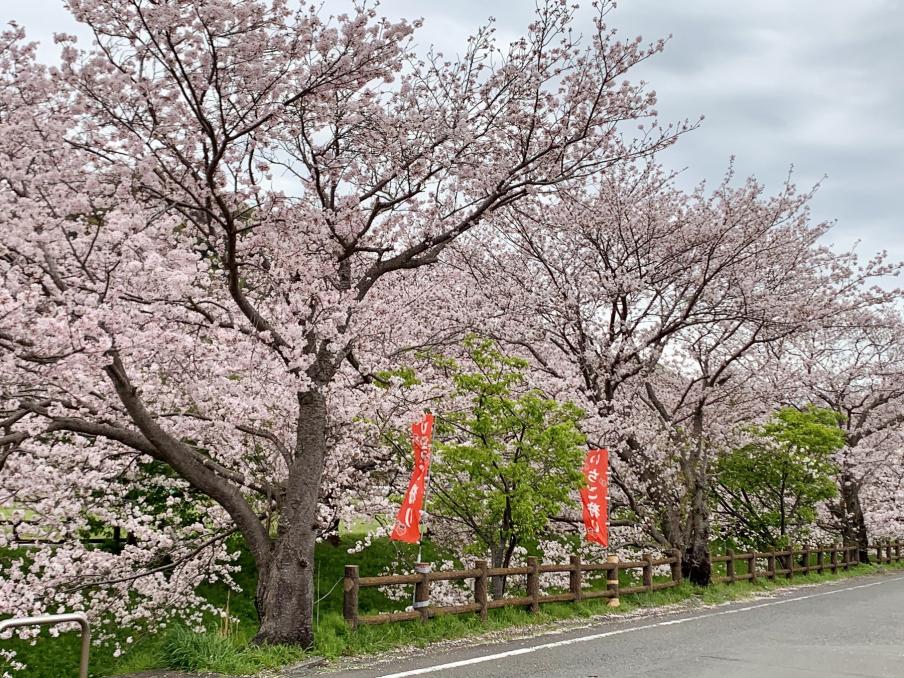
(816, 84)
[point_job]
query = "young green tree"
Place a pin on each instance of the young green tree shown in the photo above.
(768, 491)
(506, 456)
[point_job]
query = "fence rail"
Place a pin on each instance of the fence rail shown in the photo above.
(52, 620)
(783, 562)
(779, 563)
(116, 538)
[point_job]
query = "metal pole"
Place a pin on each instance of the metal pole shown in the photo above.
(53, 620)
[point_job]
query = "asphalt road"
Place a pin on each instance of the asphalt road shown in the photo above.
(849, 628)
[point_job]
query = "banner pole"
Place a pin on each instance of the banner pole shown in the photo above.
(426, 513)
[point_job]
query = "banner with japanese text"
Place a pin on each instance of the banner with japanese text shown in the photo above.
(407, 525)
(595, 497)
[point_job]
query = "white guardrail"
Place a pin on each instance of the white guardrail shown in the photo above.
(53, 620)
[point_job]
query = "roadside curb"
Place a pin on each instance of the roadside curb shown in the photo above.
(300, 670)
(303, 668)
(169, 673)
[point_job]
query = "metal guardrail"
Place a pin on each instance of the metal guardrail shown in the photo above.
(53, 620)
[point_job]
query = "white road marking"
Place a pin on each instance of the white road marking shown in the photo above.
(618, 632)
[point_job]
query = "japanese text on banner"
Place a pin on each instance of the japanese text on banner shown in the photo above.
(595, 497)
(407, 525)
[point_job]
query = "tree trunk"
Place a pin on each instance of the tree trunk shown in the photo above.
(696, 565)
(497, 556)
(853, 524)
(285, 592)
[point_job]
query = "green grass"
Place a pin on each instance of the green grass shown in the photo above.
(230, 652)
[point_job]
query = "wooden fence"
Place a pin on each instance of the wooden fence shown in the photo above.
(786, 563)
(116, 538)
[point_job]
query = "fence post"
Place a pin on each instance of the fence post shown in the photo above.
(533, 583)
(834, 558)
(480, 589)
(575, 577)
(878, 553)
(612, 581)
(350, 597)
(888, 550)
(676, 566)
(770, 564)
(847, 558)
(422, 591)
(820, 560)
(790, 565)
(730, 567)
(751, 567)
(806, 559)
(897, 550)
(647, 571)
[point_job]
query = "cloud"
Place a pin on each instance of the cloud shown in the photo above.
(813, 83)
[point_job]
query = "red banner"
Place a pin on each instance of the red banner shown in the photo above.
(595, 497)
(407, 525)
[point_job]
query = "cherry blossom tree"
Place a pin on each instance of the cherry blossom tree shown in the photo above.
(660, 309)
(210, 218)
(857, 369)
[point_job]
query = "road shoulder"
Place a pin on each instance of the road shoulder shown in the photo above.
(519, 639)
